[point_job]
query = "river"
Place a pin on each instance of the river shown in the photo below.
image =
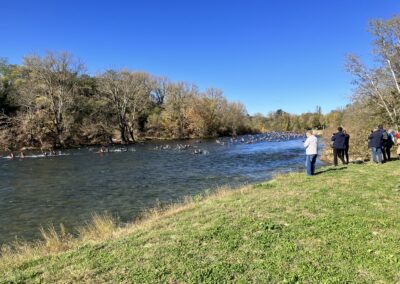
(39, 191)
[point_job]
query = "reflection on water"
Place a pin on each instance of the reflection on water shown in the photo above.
(68, 189)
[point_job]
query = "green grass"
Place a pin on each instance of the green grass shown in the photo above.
(340, 226)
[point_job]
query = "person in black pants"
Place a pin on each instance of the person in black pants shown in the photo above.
(339, 145)
(346, 150)
(389, 143)
(384, 143)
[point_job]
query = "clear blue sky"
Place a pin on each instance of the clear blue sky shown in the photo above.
(268, 54)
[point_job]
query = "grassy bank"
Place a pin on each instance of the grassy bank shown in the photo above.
(342, 225)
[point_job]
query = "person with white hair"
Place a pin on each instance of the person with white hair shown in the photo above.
(311, 145)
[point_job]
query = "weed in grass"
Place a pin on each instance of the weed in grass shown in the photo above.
(102, 226)
(270, 226)
(54, 240)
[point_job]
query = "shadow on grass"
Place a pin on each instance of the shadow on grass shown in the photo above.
(330, 170)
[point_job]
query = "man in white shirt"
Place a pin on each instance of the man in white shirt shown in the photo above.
(311, 145)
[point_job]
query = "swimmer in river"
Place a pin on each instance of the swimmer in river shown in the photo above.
(11, 156)
(102, 150)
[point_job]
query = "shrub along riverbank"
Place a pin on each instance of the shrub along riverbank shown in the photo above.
(341, 225)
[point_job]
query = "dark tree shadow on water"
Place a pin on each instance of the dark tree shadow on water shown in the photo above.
(330, 170)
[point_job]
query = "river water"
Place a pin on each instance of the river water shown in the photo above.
(39, 191)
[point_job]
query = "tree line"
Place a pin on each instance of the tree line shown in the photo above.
(50, 101)
(376, 96)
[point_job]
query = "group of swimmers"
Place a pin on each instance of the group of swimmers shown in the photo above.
(257, 138)
(183, 147)
(247, 139)
(11, 156)
(105, 149)
(21, 155)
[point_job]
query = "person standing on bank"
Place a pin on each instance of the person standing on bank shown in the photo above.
(311, 145)
(346, 150)
(389, 143)
(339, 145)
(397, 136)
(384, 143)
(376, 141)
(369, 140)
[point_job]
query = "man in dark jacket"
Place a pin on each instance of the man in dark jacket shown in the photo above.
(376, 141)
(339, 145)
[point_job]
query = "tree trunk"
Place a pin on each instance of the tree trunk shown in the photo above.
(132, 135)
(122, 129)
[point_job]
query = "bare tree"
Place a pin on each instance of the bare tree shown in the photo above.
(234, 116)
(111, 85)
(373, 86)
(380, 85)
(52, 80)
(129, 95)
(160, 86)
(176, 104)
(140, 89)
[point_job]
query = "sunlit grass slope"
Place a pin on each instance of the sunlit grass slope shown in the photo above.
(342, 225)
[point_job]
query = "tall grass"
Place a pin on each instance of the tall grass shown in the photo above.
(54, 240)
(102, 226)
(99, 228)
